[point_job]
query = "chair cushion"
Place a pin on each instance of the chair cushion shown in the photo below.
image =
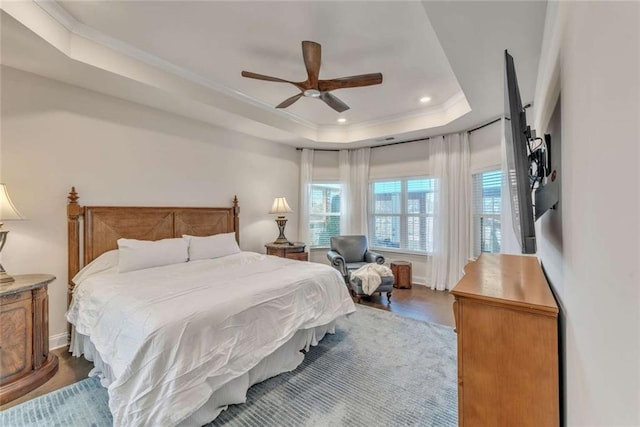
(352, 266)
(352, 248)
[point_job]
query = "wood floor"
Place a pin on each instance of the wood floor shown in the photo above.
(420, 303)
(70, 370)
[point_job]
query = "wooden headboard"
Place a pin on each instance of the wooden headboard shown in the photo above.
(104, 225)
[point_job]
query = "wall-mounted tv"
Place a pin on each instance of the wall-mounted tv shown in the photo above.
(528, 165)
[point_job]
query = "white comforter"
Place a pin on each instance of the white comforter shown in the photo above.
(172, 335)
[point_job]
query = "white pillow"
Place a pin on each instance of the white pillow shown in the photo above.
(138, 254)
(215, 246)
(106, 261)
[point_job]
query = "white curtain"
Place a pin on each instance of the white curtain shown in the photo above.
(509, 243)
(306, 178)
(359, 190)
(354, 177)
(344, 168)
(449, 163)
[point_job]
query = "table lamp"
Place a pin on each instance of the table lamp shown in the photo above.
(281, 207)
(8, 211)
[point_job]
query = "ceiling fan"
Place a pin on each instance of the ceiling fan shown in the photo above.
(313, 87)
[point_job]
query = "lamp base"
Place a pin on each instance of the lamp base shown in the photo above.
(284, 241)
(281, 240)
(4, 277)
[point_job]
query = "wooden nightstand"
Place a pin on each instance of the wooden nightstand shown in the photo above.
(402, 273)
(291, 251)
(25, 362)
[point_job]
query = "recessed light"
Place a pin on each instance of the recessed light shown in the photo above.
(425, 99)
(342, 120)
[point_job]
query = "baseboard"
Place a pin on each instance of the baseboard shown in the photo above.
(419, 281)
(57, 341)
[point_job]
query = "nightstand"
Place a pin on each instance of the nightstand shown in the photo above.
(402, 272)
(285, 250)
(25, 362)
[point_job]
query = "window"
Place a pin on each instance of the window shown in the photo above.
(401, 214)
(487, 206)
(324, 212)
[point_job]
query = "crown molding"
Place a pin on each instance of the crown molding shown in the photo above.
(82, 43)
(80, 29)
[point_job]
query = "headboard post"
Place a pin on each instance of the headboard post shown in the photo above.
(236, 222)
(74, 211)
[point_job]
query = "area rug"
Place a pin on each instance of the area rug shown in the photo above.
(378, 369)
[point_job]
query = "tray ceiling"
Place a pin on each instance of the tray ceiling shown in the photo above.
(186, 57)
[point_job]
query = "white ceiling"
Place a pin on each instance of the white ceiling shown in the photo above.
(186, 57)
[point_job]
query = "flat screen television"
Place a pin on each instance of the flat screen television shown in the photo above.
(520, 184)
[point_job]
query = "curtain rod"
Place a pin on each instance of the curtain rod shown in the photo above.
(497, 119)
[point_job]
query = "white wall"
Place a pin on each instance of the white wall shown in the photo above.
(410, 160)
(592, 257)
(325, 166)
(400, 160)
(119, 153)
(484, 148)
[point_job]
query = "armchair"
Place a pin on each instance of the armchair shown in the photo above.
(349, 253)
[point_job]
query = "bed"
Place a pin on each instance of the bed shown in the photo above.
(177, 343)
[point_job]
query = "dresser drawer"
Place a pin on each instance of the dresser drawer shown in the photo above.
(288, 250)
(15, 297)
(300, 256)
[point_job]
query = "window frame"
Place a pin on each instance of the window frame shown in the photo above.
(403, 215)
(310, 213)
(476, 218)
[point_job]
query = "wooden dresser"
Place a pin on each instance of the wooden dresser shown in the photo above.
(25, 362)
(507, 325)
(291, 251)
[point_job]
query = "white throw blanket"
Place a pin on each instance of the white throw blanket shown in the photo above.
(371, 276)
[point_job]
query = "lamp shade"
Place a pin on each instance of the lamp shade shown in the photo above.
(280, 206)
(8, 210)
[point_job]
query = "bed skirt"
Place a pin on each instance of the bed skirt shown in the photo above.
(286, 358)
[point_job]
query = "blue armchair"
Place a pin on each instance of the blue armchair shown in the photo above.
(349, 253)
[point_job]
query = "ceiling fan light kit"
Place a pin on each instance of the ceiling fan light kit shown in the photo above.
(313, 87)
(311, 93)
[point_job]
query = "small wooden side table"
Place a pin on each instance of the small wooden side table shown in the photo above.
(294, 250)
(25, 361)
(402, 273)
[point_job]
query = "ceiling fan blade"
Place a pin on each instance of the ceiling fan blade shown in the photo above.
(334, 102)
(352, 81)
(289, 101)
(249, 74)
(312, 52)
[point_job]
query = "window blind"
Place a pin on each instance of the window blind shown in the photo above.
(324, 212)
(401, 214)
(487, 207)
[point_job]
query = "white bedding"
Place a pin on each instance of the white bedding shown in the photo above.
(173, 335)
